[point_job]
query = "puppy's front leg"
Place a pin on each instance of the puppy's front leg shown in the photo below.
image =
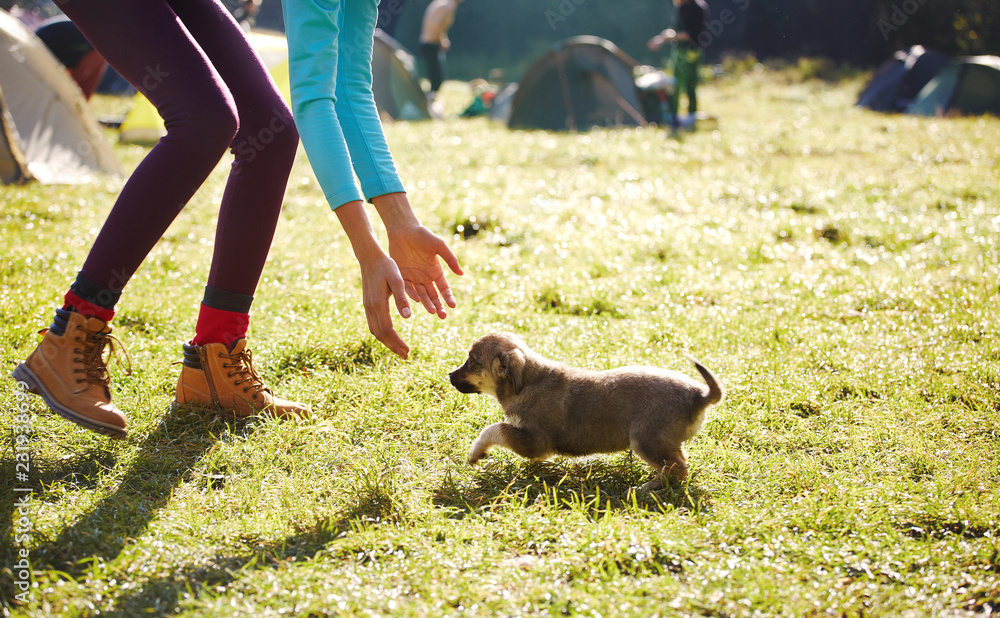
(521, 441)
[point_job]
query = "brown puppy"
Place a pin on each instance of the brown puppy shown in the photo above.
(554, 409)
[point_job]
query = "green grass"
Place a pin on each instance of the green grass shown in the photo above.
(838, 269)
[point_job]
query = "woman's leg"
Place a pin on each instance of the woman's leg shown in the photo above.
(200, 90)
(218, 369)
(148, 44)
(264, 151)
(264, 147)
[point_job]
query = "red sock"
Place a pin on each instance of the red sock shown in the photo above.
(88, 309)
(219, 326)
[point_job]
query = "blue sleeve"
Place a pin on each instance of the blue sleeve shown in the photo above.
(329, 67)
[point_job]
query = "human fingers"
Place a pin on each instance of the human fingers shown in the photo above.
(445, 290)
(429, 298)
(451, 260)
(379, 287)
(380, 325)
(398, 291)
(411, 291)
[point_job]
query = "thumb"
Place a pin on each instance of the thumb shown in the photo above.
(451, 260)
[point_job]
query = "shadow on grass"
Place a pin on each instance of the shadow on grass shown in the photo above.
(162, 596)
(160, 463)
(163, 461)
(83, 471)
(597, 487)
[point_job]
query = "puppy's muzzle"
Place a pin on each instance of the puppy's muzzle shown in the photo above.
(458, 380)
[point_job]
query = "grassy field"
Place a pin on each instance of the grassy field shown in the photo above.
(838, 270)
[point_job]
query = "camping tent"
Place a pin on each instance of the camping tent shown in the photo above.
(501, 107)
(395, 85)
(970, 86)
(899, 79)
(582, 82)
(46, 130)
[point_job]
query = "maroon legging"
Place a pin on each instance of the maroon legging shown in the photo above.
(193, 62)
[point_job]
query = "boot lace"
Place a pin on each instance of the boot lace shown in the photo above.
(92, 357)
(242, 366)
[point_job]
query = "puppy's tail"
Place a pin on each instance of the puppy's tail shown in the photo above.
(715, 391)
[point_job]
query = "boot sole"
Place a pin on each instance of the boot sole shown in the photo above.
(234, 416)
(24, 374)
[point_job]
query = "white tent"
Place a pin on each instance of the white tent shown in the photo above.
(47, 132)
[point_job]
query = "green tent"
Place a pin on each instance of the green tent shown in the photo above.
(582, 82)
(395, 85)
(968, 87)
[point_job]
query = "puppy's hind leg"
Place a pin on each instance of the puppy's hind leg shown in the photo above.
(667, 460)
(521, 441)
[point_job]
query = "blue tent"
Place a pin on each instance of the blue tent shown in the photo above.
(897, 82)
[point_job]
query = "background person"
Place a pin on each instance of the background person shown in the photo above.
(246, 13)
(688, 24)
(434, 42)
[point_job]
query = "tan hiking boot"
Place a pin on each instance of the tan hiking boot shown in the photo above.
(69, 371)
(213, 376)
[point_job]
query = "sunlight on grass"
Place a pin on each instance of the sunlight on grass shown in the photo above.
(838, 269)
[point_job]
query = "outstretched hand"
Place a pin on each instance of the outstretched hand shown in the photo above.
(380, 281)
(410, 269)
(416, 250)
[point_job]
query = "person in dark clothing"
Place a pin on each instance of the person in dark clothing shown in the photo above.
(688, 24)
(84, 63)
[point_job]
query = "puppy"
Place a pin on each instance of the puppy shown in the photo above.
(554, 409)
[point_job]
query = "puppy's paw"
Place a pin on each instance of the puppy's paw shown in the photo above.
(655, 484)
(476, 456)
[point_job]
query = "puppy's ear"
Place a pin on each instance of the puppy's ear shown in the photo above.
(512, 366)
